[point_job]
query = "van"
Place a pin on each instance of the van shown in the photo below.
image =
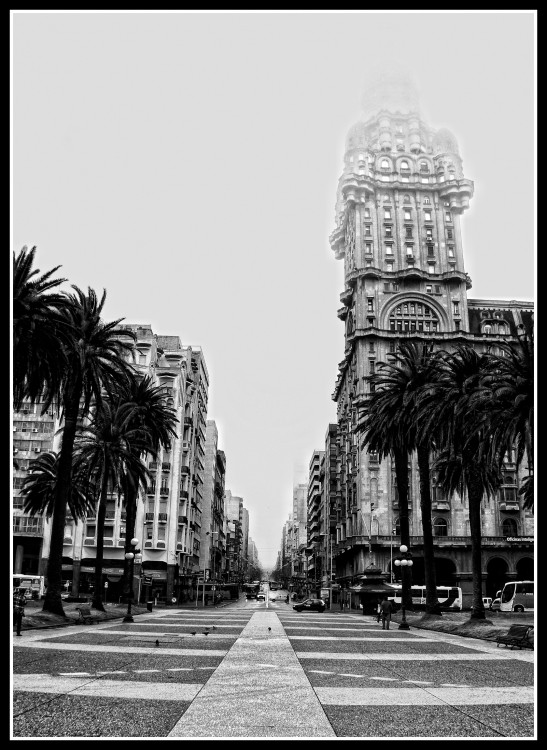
(487, 601)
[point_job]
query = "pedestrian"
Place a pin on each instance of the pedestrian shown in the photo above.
(378, 610)
(19, 601)
(287, 599)
(386, 608)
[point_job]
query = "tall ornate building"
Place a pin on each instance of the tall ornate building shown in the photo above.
(399, 211)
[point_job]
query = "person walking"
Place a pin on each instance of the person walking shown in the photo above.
(378, 610)
(19, 601)
(386, 608)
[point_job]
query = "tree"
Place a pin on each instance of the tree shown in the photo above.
(396, 398)
(147, 416)
(95, 363)
(39, 489)
(108, 451)
(508, 409)
(453, 404)
(384, 431)
(38, 332)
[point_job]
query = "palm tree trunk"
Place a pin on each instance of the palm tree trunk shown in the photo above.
(401, 475)
(432, 605)
(98, 593)
(474, 492)
(52, 601)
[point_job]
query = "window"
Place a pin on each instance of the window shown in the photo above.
(90, 530)
(388, 230)
(428, 289)
(409, 317)
(389, 250)
(370, 304)
(427, 215)
(408, 214)
(387, 213)
(395, 286)
(406, 199)
(389, 266)
(450, 251)
(424, 166)
(367, 213)
(487, 329)
(457, 324)
(367, 230)
(437, 289)
(409, 253)
(368, 248)
(371, 366)
(408, 232)
(384, 164)
(427, 200)
(448, 216)
(430, 251)
(456, 308)
(449, 234)
(386, 287)
(405, 166)
(440, 527)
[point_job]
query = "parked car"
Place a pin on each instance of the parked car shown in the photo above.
(310, 605)
(260, 597)
(495, 606)
(487, 601)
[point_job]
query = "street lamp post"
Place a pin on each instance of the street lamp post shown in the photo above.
(393, 532)
(213, 558)
(404, 560)
(131, 557)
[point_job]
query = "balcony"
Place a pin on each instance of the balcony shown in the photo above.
(183, 519)
(162, 517)
(184, 469)
(166, 466)
(149, 518)
(153, 465)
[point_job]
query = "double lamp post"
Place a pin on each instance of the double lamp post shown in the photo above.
(133, 557)
(404, 561)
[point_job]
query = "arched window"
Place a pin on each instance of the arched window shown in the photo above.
(424, 166)
(487, 329)
(509, 527)
(418, 318)
(384, 164)
(440, 527)
(406, 199)
(404, 165)
(427, 201)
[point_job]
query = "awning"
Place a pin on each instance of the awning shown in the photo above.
(372, 588)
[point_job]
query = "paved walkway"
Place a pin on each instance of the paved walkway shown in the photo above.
(255, 672)
(259, 690)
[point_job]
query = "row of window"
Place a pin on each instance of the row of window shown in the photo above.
(407, 213)
(409, 247)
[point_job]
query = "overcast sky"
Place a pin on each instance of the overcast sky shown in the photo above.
(188, 163)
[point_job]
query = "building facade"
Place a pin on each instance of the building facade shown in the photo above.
(168, 524)
(399, 211)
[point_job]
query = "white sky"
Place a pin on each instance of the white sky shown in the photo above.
(188, 163)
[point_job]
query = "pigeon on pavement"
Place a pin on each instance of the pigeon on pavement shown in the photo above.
(193, 632)
(269, 630)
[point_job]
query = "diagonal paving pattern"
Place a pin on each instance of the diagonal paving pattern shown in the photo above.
(245, 697)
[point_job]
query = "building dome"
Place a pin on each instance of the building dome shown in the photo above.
(444, 142)
(356, 136)
(391, 88)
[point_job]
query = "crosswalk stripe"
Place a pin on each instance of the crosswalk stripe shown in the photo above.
(45, 683)
(495, 696)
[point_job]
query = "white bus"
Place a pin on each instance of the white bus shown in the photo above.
(34, 585)
(517, 596)
(450, 597)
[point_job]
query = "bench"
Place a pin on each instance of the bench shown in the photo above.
(84, 614)
(518, 636)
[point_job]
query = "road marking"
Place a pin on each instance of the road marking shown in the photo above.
(419, 682)
(344, 674)
(385, 679)
(143, 671)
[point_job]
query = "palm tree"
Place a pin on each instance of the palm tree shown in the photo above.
(384, 430)
(452, 406)
(509, 410)
(148, 415)
(108, 450)
(38, 333)
(396, 394)
(39, 489)
(95, 363)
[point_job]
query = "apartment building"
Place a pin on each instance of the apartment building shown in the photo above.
(169, 515)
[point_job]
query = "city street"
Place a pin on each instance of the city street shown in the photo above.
(260, 669)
